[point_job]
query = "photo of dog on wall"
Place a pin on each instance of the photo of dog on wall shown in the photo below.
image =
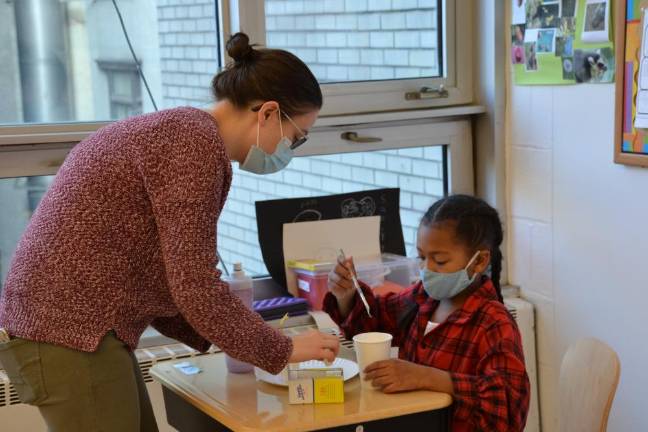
(594, 66)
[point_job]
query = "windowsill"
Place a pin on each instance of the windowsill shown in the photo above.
(71, 133)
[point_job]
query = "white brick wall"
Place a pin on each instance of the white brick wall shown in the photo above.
(420, 186)
(374, 26)
(189, 58)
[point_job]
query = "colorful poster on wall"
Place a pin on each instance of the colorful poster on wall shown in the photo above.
(562, 42)
(632, 142)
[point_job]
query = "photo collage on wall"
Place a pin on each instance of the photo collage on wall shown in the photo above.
(562, 41)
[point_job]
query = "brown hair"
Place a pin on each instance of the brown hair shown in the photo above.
(266, 74)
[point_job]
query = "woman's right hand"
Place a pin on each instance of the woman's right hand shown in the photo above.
(314, 345)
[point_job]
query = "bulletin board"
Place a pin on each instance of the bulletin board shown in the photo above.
(552, 46)
(631, 145)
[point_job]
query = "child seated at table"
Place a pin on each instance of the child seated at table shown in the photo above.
(453, 331)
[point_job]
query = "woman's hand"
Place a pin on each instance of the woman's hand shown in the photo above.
(341, 286)
(395, 375)
(314, 345)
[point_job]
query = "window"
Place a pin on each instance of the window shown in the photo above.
(418, 171)
(68, 61)
(434, 158)
(371, 55)
(123, 89)
(430, 162)
(20, 197)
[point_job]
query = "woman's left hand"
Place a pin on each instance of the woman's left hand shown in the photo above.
(395, 375)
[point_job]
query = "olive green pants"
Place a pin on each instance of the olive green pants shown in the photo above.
(74, 390)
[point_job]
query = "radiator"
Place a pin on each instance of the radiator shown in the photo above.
(522, 311)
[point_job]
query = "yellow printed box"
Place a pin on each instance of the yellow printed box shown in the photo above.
(328, 390)
(307, 386)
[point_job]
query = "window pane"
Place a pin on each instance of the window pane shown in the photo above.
(20, 197)
(69, 60)
(359, 40)
(123, 84)
(419, 172)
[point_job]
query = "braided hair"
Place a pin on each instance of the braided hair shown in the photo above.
(477, 225)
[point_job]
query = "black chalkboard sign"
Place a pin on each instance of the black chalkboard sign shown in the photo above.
(272, 215)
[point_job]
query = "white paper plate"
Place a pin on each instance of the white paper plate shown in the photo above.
(349, 368)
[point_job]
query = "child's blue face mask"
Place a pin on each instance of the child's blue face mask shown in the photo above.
(441, 286)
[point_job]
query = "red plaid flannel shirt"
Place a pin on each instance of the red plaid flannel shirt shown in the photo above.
(479, 345)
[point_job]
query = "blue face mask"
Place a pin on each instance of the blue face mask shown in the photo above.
(442, 286)
(260, 162)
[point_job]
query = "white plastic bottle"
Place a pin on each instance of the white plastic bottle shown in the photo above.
(240, 285)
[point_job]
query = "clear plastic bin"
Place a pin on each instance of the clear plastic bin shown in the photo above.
(388, 273)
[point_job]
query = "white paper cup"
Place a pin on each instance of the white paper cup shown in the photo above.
(370, 348)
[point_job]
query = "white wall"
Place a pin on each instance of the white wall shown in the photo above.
(188, 52)
(579, 237)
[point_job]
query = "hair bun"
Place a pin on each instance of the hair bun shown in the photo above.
(239, 48)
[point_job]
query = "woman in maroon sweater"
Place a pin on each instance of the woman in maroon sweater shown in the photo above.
(126, 238)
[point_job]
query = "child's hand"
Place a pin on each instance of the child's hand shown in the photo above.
(395, 375)
(341, 285)
(339, 280)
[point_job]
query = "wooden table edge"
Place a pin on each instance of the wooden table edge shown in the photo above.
(324, 424)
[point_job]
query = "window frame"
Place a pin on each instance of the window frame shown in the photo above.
(452, 131)
(389, 95)
(340, 99)
(40, 149)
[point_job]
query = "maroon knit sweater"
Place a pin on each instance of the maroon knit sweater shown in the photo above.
(126, 238)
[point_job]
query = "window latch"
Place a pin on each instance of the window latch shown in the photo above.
(426, 92)
(354, 137)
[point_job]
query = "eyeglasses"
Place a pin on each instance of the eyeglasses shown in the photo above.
(299, 141)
